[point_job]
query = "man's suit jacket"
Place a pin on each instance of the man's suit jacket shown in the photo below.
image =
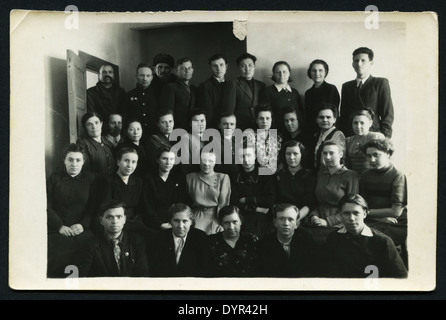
(210, 96)
(240, 100)
(192, 260)
(375, 95)
(97, 259)
(274, 261)
(177, 97)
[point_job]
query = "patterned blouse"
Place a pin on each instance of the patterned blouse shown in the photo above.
(240, 261)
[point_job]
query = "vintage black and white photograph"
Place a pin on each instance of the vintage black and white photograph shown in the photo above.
(223, 150)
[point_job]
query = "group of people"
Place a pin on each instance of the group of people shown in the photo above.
(277, 188)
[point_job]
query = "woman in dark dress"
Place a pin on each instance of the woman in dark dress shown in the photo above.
(280, 95)
(321, 92)
(233, 252)
(294, 183)
(69, 207)
(385, 189)
(99, 154)
(165, 124)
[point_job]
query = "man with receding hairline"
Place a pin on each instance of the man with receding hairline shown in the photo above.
(106, 97)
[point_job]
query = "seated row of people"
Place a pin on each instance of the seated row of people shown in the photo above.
(288, 251)
(157, 88)
(75, 195)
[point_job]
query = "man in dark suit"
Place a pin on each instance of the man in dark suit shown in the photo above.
(106, 97)
(141, 103)
(242, 95)
(182, 250)
(366, 91)
(115, 252)
(286, 253)
(180, 95)
(210, 92)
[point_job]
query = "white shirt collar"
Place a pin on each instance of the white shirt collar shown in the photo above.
(176, 240)
(219, 80)
(361, 80)
(280, 87)
(366, 232)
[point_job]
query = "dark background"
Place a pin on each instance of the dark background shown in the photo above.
(168, 302)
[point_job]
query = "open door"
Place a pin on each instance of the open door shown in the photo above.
(77, 93)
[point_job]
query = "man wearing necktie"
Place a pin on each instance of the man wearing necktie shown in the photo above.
(286, 252)
(115, 252)
(181, 251)
(366, 91)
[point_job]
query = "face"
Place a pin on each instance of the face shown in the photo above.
(163, 70)
(219, 68)
(127, 164)
(325, 120)
(115, 125)
(113, 221)
(199, 123)
(207, 163)
(94, 127)
(352, 216)
(144, 77)
(166, 161)
(185, 71)
(290, 121)
(227, 125)
(318, 73)
(181, 223)
(248, 156)
(361, 125)
(281, 74)
(247, 68)
(134, 131)
(377, 159)
(293, 156)
(332, 156)
(231, 225)
(106, 75)
(264, 120)
(165, 124)
(74, 162)
(286, 222)
(362, 65)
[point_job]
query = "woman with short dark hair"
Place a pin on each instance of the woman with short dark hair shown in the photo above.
(320, 92)
(99, 155)
(233, 252)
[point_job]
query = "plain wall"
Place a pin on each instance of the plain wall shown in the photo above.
(47, 75)
(299, 43)
(196, 41)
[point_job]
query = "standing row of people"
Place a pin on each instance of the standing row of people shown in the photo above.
(158, 88)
